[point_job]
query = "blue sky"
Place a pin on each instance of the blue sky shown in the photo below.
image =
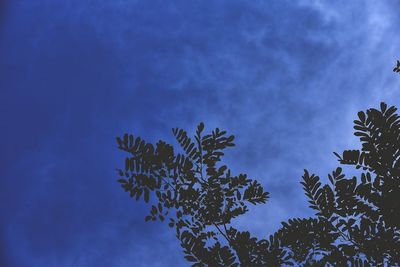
(286, 77)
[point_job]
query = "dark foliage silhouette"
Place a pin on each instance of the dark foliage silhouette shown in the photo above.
(364, 212)
(357, 219)
(397, 68)
(202, 193)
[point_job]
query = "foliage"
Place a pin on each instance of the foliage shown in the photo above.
(397, 67)
(365, 212)
(356, 223)
(203, 195)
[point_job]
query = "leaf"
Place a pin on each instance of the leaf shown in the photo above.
(153, 210)
(146, 195)
(160, 207)
(338, 156)
(190, 258)
(127, 164)
(383, 107)
(200, 127)
(361, 115)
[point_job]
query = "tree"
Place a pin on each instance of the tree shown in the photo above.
(201, 193)
(364, 212)
(357, 219)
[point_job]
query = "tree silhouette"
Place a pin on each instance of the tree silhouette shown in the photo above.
(357, 219)
(201, 193)
(364, 212)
